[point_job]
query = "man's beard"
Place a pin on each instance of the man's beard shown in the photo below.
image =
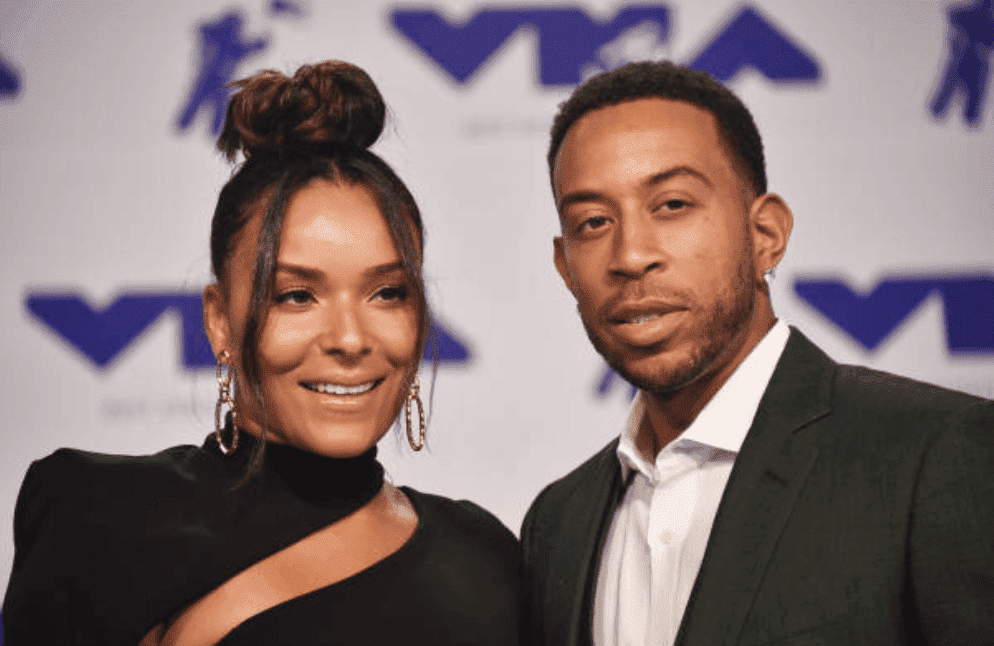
(725, 319)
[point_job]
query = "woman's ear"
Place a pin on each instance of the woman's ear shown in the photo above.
(217, 324)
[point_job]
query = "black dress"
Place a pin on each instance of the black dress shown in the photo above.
(106, 547)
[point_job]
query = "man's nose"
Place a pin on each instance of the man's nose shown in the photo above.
(637, 249)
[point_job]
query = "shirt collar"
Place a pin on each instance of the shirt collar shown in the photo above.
(725, 420)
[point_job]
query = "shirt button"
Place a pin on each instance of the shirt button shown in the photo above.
(667, 537)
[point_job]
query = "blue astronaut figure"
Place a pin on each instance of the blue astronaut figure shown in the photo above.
(970, 46)
(222, 48)
(10, 82)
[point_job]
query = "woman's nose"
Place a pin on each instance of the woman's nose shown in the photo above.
(344, 332)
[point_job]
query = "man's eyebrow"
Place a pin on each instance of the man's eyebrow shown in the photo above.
(666, 175)
(386, 268)
(580, 196)
(649, 182)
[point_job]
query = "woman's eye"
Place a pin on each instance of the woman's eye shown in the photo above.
(391, 293)
(675, 205)
(294, 297)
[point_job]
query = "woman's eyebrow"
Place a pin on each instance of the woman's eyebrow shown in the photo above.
(308, 273)
(386, 268)
(312, 273)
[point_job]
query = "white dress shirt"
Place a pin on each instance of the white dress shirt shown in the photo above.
(657, 538)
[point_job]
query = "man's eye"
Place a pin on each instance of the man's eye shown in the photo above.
(391, 293)
(592, 223)
(294, 297)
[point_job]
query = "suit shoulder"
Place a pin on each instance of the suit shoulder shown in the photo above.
(71, 490)
(78, 460)
(873, 389)
(74, 473)
(589, 474)
(473, 564)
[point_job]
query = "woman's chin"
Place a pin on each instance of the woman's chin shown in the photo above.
(333, 445)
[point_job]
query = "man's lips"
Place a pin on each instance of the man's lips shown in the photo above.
(641, 311)
(645, 323)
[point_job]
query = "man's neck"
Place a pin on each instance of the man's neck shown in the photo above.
(667, 416)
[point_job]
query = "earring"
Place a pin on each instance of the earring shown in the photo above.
(411, 398)
(769, 273)
(224, 379)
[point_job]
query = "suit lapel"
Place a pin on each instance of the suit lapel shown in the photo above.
(590, 512)
(762, 489)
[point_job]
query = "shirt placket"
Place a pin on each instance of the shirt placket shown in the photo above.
(634, 603)
(671, 511)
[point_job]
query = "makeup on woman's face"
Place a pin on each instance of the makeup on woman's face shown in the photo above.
(340, 341)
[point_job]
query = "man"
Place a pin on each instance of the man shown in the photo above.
(760, 493)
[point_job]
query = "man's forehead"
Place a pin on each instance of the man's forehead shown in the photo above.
(642, 115)
(642, 126)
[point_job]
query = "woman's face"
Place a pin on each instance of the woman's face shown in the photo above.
(339, 346)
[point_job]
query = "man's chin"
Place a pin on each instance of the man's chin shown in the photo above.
(661, 377)
(663, 374)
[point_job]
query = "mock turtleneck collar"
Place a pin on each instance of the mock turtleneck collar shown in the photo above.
(332, 483)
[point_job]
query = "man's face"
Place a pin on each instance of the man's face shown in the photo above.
(656, 243)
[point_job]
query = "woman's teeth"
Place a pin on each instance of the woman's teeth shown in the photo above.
(643, 319)
(336, 389)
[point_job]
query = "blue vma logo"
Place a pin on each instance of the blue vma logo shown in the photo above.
(103, 335)
(870, 318)
(572, 46)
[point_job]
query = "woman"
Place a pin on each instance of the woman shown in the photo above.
(280, 528)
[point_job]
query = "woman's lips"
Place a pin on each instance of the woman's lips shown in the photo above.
(331, 388)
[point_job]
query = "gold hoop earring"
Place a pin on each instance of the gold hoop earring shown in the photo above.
(224, 379)
(413, 397)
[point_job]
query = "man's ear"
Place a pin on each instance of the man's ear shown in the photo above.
(216, 322)
(559, 256)
(770, 223)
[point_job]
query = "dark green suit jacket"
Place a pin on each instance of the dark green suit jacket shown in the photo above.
(860, 510)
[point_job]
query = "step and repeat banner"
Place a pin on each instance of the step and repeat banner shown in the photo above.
(878, 129)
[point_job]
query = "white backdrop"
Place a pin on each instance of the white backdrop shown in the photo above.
(103, 194)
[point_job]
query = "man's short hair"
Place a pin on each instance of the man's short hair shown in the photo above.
(665, 80)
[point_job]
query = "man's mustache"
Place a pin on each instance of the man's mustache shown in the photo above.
(641, 296)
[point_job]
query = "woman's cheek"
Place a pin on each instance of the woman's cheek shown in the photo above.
(285, 341)
(400, 337)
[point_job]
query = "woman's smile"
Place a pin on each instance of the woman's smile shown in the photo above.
(342, 389)
(339, 346)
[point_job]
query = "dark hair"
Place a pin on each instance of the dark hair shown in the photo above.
(668, 81)
(318, 124)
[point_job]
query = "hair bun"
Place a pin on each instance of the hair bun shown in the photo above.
(330, 103)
